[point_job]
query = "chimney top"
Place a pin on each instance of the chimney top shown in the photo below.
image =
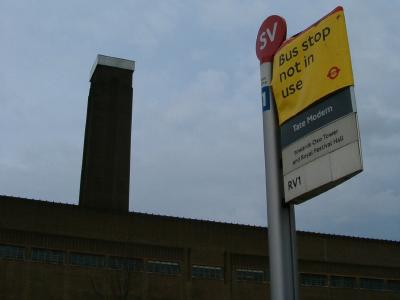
(112, 62)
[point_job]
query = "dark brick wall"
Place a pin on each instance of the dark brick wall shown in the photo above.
(70, 228)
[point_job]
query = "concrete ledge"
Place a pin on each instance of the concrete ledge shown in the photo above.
(112, 62)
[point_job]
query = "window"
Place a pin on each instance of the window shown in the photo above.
(343, 282)
(162, 267)
(12, 252)
(48, 256)
(86, 260)
(207, 272)
(313, 280)
(393, 285)
(250, 275)
(129, 264)
(371, 283)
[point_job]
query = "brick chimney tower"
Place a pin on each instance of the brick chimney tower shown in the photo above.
(107, 147)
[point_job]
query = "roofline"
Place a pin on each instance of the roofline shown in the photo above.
(146, 214)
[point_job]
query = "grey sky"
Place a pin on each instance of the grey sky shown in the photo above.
(197, 148)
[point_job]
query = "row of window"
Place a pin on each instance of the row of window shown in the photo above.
(198, 271)
(99, 261)
(11, 252)
(335, 281)
(251, 275)
(90, 260)
(207, 272)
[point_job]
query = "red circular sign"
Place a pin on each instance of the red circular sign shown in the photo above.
(333, 72)
(271, 35)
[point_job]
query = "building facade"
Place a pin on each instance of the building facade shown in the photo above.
(61, 251)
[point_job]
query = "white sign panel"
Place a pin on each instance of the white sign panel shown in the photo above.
(321, 159)
(319, 143)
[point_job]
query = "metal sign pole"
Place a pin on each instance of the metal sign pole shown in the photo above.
(281, 221)
(281, 218)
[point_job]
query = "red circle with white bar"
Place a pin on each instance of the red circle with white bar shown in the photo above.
(333, 72)
(270, 37)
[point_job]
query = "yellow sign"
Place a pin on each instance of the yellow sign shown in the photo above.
(311, 65)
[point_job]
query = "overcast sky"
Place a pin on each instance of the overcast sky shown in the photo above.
(197, 146)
